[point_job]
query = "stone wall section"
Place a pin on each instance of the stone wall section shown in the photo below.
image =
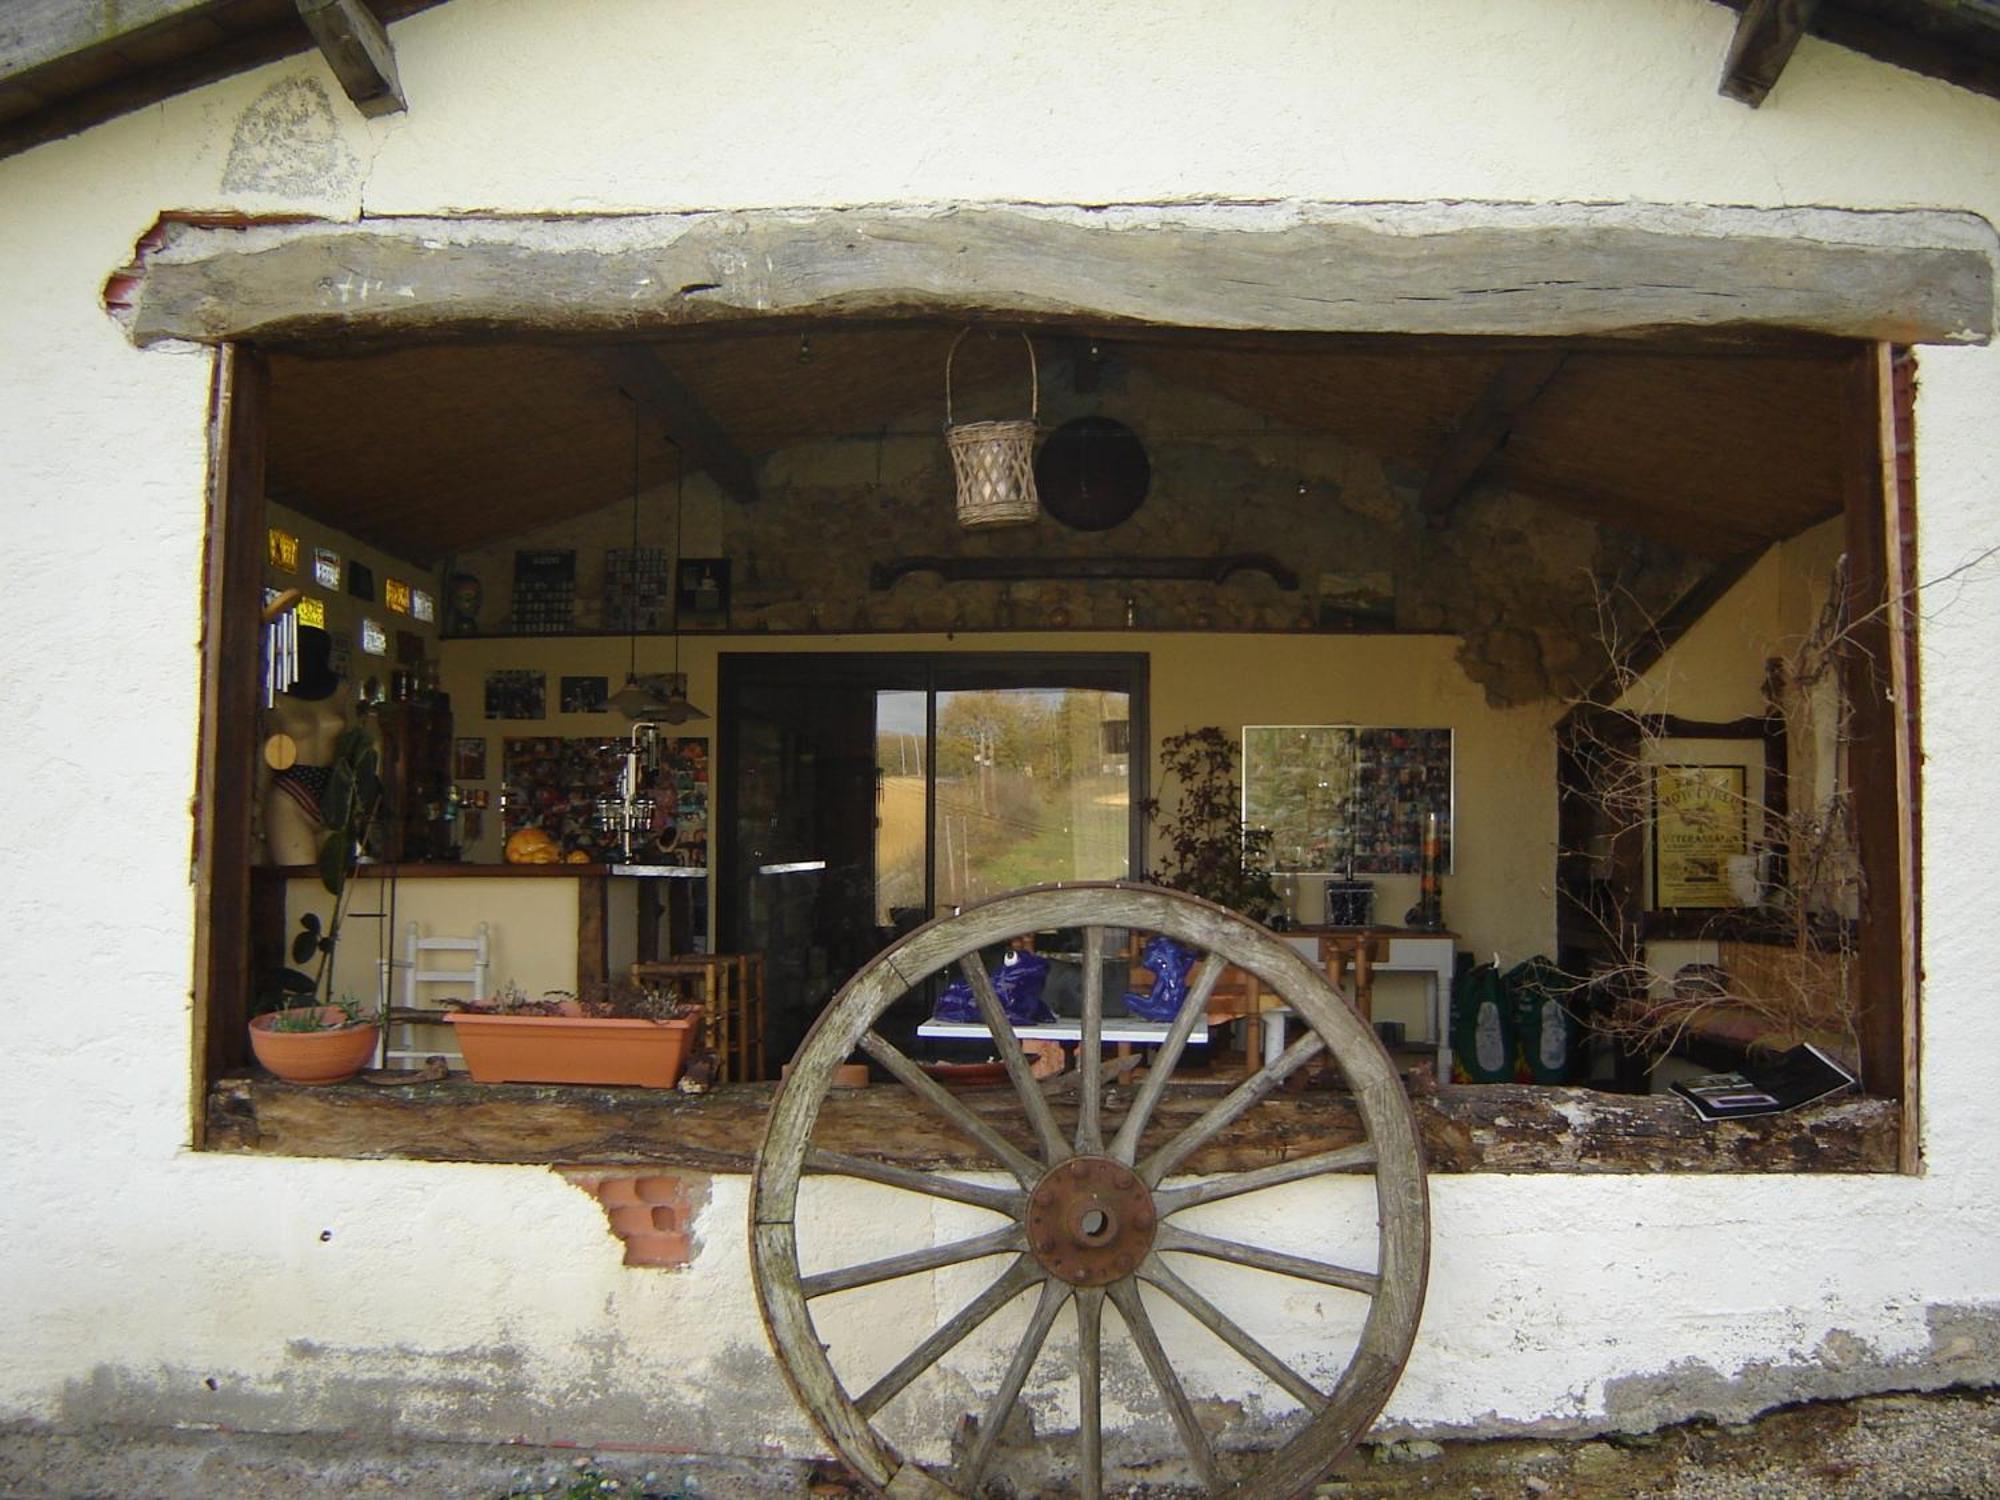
(1533, 590)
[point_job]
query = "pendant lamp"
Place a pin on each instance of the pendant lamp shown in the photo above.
(639, 699)
(635, 700)
(676, 709)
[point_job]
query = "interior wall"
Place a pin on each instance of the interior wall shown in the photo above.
(1500, 896)
(345, 610)
(1533, 590)
(228, 1296)
(1716, 671)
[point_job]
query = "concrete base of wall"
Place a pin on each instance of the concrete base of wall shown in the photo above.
(1932, 1444)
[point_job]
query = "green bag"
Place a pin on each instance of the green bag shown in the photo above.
(1483, 1037)
(1544, 1022)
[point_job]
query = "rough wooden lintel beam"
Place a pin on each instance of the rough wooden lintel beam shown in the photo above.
(1494, 1128)
(1766, 33)
(662, 395)
(1500, 270)
(357, 48)
(1483, 429)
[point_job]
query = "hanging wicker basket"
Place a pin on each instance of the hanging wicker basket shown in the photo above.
(994, 461)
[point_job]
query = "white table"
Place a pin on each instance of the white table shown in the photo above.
(1115, 1029)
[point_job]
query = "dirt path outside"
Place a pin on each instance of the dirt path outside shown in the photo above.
(1904, 1447)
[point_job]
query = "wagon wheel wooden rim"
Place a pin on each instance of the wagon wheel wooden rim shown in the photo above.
(1389, 1150)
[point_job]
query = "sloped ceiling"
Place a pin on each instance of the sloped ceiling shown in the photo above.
(436, 449)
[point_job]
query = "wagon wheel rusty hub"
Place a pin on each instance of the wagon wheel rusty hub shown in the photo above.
(1091, 1220)
(1088, 1213)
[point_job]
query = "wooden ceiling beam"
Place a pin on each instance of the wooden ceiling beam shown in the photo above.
(661, 393)
(1482, 430)
(1659, 638)
(358, 50)
(1766, 33)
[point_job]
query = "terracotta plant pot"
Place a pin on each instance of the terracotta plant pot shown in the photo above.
(313, 1057)
(572, 1049)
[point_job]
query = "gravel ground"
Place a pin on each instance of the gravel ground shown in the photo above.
(1911, 1447)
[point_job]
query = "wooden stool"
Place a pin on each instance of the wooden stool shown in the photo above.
(1358, 951)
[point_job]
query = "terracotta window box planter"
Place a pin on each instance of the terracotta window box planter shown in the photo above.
(572, 1049)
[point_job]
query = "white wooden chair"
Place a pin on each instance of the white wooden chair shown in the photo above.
(417, 1005)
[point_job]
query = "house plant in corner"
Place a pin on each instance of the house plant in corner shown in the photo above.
(633, 1034)
(307, 1036)
(1206, 851)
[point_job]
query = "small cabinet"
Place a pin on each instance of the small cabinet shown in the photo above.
(416, 781)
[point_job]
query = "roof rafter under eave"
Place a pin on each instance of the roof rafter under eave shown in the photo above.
(1955, 41)
(66, 65)
(1767, 32)
(358, 50)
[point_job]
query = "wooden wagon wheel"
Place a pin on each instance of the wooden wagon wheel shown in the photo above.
(1089, 1214)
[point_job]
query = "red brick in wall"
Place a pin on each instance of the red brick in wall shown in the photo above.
(651, 1211)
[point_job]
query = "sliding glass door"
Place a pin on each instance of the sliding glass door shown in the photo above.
(861, 795)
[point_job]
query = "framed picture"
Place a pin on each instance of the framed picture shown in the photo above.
(1356, 601)
(1701, 820)
(468, 758)
(516, 694)
(584, 695)
(1340, 797)
(702, 593)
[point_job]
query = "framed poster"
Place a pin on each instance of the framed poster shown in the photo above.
(516, 693)
(1700, 819)
(702, 593)
(1343, 797)
(584, 695)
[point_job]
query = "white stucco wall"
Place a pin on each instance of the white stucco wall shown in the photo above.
(137, 1271)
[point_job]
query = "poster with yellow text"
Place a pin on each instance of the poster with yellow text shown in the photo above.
(1699, 821)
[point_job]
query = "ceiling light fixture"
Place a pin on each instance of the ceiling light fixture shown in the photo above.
(676, 709)
(635, 700)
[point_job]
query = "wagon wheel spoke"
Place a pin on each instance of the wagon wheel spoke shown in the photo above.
(1172, 1237)
(1090, 1046)
(1125, 1297)
(1040, 1116)
(1219, 1323)
(1220, 1115)
(1092, 1223)
(1017, 1278)
(1090, 1382)
(1125, 1146)
(1054, 1294)
(936, 1258)
(998, 1200)
(940, 1099)
(1173, 1200)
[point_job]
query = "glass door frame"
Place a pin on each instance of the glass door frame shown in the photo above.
(929, 672)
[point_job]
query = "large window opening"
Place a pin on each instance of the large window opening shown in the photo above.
(963, 714)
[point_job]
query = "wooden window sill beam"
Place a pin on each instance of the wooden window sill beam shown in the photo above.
(1486, 1128)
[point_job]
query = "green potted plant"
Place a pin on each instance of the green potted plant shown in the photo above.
(1205, 849)
(632, 1034)
(303, 1034)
